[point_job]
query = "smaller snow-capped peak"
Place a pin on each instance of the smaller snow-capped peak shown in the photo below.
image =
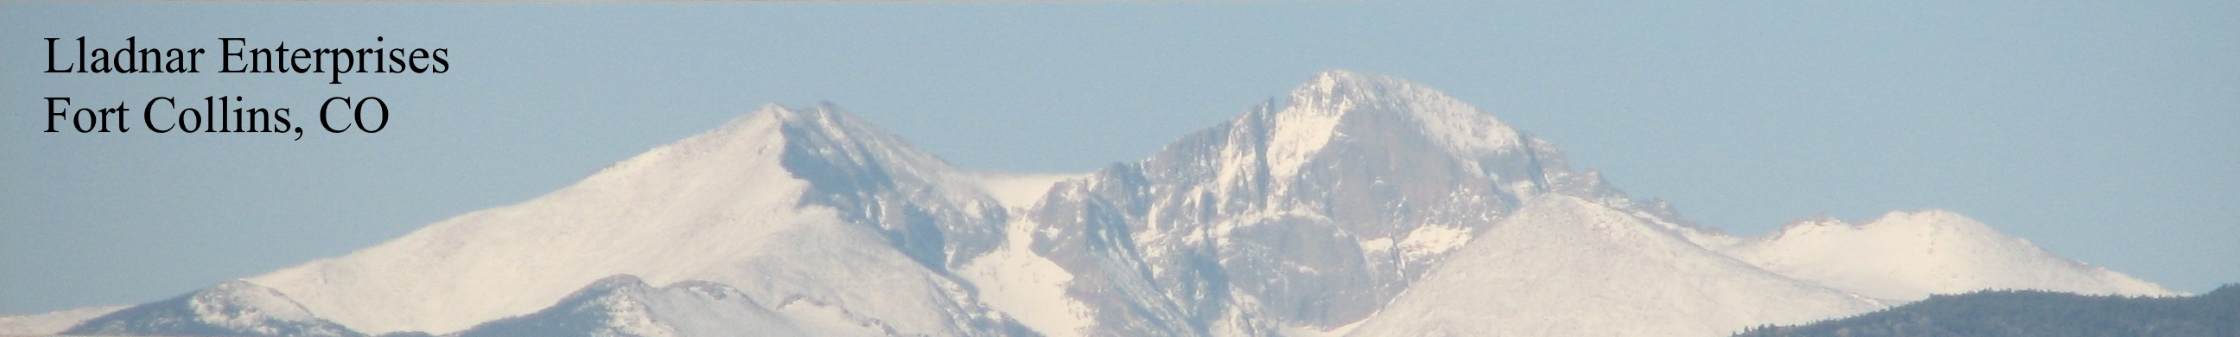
(624, 305)
(1811, 225)
(242, 303)
(1907, 256)
(744, 142)
(49, 323)
(761, 137)
(829, 130)
(1318, 111)
(233, 308)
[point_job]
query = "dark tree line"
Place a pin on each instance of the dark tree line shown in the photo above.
(2036, 314)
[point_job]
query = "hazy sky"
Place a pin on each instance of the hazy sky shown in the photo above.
(2107, 132)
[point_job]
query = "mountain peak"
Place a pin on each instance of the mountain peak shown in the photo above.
(815, 113)
(1930, 219)
(1907, 256)
(232, 308)
(1810, 224)
(1338, 92)
(811, 143)
(1341, 105)
(1341, 82)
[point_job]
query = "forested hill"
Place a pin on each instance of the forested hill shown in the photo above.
(2037, 314)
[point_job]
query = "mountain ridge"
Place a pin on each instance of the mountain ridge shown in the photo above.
(1317, 213)
(688, 197)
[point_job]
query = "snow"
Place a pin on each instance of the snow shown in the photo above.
(545, 248)
(1907, 256)
(823, 319)
(1342, 330)
(1434, 239)
(847, 273)
(706, 309)
(632, 318)
(1301, 131)
(717, 206)
(1377, 246)
(1020, 190)
(52, 322)
(244, 305)
(1029, 287)
(1316, 110)
(1562, 266)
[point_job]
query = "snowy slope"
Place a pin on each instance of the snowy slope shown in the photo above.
(1013, 278)
(51, 322)
(781, 203)
(1907, 256)
(1564, 266)
(1029, 287)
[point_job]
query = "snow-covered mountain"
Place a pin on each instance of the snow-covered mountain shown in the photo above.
(1357, 204)
(1907, 256)
(1564, 266)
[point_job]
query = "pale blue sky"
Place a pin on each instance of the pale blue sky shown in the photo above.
(2106, 132)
